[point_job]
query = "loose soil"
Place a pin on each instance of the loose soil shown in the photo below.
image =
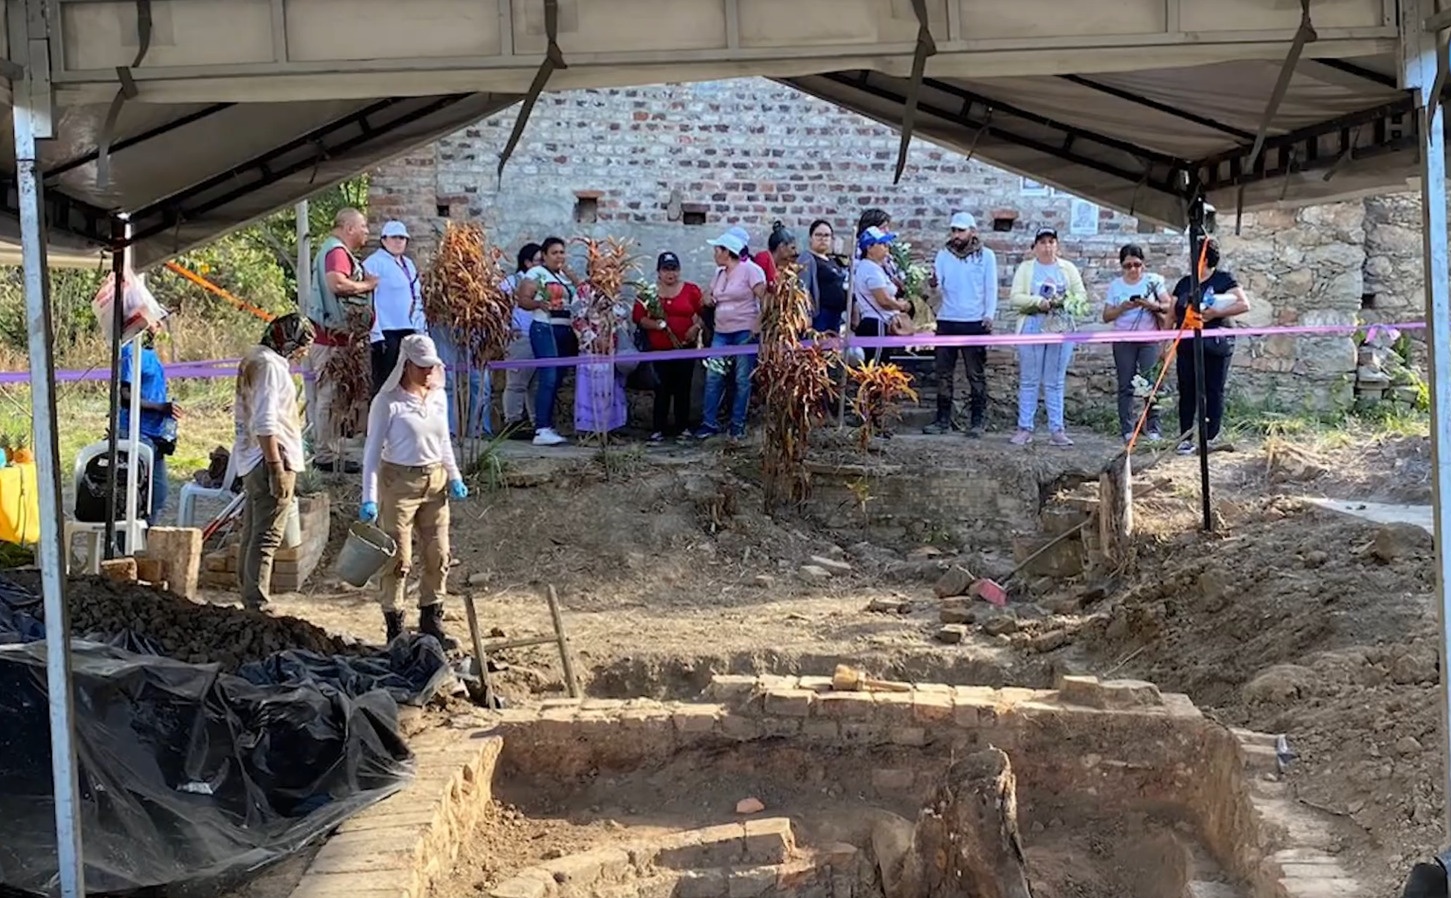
(1073, 850)
(1289, 619)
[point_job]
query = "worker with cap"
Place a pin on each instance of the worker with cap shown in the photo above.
(409, 475)
(965, 275)
(397, 300)
(268, 448)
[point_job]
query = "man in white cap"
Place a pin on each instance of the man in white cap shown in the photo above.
(397, 300)
(965, 274)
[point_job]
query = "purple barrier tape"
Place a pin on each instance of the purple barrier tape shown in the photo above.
(228, 367)
(929, 341)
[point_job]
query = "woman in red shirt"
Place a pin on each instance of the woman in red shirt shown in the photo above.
(672, 324)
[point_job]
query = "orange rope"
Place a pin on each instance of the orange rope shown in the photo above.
(224, 294)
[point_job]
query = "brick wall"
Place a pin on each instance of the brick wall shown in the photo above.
(655, 160)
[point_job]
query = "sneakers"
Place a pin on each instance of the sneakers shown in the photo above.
(937, 428)
(1060, 438)
(1185, 448)
(975, 430)
(1128, 438)
(545, 436)
(1022, 438)
(1155, 437)
(655, 438)
(706, 433)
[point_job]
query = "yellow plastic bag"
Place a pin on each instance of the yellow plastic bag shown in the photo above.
(19, 504)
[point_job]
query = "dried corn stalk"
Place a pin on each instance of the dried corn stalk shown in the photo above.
(601, 307)
(349, 369)
(879, 388)
(796, 387)
(461, 291)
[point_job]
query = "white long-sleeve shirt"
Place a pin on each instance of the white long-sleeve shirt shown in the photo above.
(398, 298)
(265, 405)
(406, 430)
(969, 286)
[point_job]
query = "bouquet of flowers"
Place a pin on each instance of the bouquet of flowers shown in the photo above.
(649, 297)
(914, 274)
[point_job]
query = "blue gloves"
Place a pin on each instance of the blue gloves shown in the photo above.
(368, 513)
(457, 490)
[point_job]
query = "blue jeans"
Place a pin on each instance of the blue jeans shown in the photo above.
(826, 321)
(480, 388)
(715, 384)
(549, 341)
(160, 489)
(1042, 368)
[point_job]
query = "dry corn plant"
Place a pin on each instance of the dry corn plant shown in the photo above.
(879, 388)
(602, 310)
(796, 387)
(350, 371)
(462, 292)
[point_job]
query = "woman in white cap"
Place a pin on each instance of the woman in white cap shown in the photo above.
(409, 474)
(735, 295)
(397, 300)
(877, 303)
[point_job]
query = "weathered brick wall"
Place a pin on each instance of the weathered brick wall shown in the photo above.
(751, 152)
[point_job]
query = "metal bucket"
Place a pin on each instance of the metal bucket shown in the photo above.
(364, 553)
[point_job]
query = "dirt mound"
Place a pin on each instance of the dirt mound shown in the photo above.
(181, 629)
(1314, 625)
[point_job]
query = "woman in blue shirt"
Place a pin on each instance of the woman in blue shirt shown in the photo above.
(158, 417)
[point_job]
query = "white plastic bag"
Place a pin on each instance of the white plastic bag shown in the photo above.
(139, 309)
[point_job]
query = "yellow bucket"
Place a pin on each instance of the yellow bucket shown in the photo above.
(19, 504)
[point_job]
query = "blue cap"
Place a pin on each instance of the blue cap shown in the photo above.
(874, 236)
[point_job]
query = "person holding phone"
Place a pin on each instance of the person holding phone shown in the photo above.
(1137, 300)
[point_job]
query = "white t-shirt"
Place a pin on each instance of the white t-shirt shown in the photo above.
(522, 318)
(1134, 318)
(398, 298)
(554, 290)
(265, 404)
(867, 277)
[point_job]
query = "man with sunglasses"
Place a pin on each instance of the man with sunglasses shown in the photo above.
(397, 300)
(965, 274)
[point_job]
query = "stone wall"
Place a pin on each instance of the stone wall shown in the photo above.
(670, 166)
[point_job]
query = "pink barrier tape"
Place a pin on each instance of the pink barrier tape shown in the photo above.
(228, 367)
(930, 341)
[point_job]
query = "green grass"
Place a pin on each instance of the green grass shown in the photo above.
(81, 410)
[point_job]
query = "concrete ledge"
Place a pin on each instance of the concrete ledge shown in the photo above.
(400, 847)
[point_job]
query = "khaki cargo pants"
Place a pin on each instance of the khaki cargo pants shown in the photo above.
(409, 498)
(264, 520)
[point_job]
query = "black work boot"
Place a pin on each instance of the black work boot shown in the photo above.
(430, 622)
(974, 430)
(393, 622)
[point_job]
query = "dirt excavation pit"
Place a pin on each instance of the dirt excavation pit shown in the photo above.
(784, 786)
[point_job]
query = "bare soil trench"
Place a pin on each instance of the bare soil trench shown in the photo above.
(1289, 619)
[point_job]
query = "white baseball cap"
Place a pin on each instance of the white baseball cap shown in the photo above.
(394, 229)
(420, 350)
(729, 241)
(963, 221)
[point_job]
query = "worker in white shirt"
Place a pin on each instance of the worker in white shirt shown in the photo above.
(965, 274)
(268, 447)
(397, 300)
(409, 474)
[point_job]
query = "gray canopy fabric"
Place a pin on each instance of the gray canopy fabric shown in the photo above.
(189, 173)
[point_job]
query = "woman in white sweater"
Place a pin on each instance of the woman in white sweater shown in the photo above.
(1048, 295)
(409, 474)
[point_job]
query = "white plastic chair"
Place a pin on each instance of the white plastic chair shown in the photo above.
(192, 491)
(95, 531)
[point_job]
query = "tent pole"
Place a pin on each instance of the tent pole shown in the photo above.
(1197, 237)
(113, 409)
(1421, 59)
(32, 119)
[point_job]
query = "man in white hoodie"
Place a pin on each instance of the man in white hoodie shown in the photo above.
(965, 274)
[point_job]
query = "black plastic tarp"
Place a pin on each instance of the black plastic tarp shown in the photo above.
(192, 780)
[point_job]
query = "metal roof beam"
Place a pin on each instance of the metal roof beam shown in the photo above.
(138, 139)
(988, 128)
(1360, 72)
(1129, 96)
(281, 163)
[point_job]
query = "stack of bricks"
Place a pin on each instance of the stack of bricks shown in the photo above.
(221, 569)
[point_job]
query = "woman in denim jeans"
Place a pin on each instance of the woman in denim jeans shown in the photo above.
(735, 294)
(1046, 289)
(548, 292)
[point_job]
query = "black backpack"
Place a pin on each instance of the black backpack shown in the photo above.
(91, 494)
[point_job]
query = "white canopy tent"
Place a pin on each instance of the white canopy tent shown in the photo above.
(194, 117)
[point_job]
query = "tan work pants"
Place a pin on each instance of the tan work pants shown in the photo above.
(409, 498)
(264, 520)
(325, 435)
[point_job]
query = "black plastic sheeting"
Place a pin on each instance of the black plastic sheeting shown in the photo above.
(192, 780)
